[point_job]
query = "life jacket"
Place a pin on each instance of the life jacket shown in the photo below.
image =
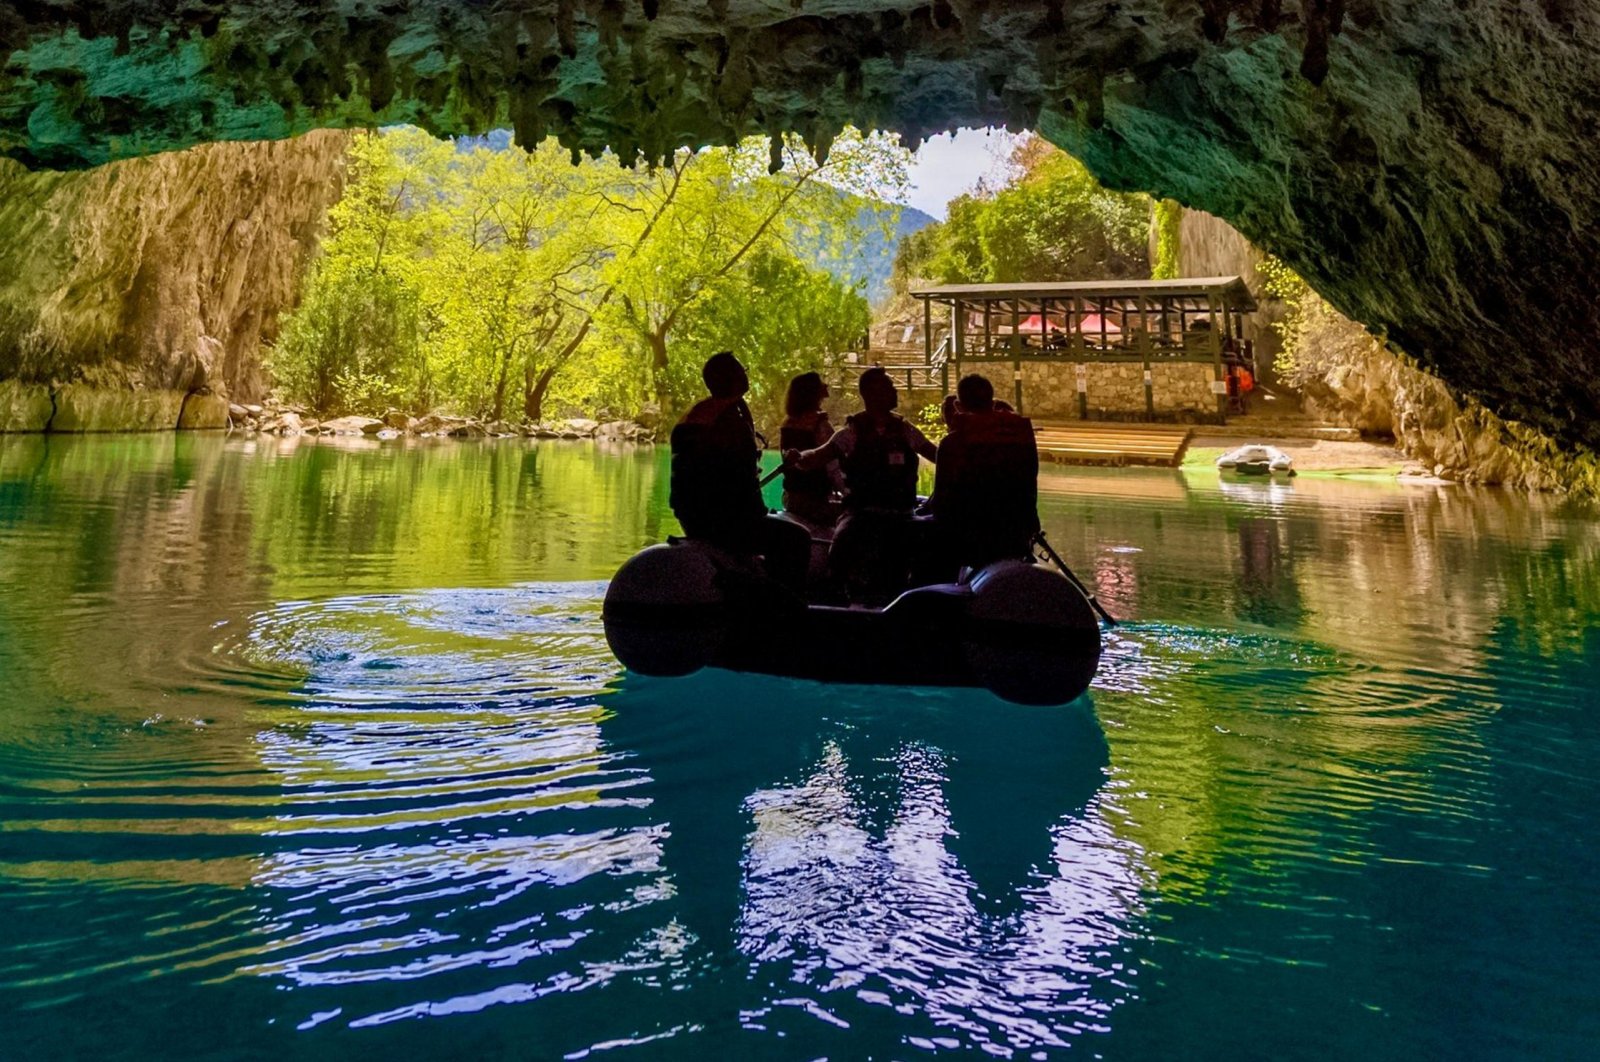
(987, 491)
(881, 469)
(715, 478)
(796, 437)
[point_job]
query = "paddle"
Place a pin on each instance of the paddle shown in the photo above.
(1049, 551)
(774, 474)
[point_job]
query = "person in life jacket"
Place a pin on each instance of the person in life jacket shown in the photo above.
(877, 450)
(809, 495)
(986, 483)
(716, 486)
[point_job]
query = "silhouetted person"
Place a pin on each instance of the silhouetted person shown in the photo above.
(809, 494)
(877, 450)
(986, 486)
(716, 486)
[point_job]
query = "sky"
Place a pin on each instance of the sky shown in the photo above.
(947, 165)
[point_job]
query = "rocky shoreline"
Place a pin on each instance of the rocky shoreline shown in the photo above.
(296, 421)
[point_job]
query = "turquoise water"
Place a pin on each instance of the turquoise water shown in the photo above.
(314, 750)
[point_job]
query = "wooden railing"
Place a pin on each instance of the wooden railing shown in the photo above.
(907, 365)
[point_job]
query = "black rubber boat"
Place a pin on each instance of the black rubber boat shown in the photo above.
(1024, 631)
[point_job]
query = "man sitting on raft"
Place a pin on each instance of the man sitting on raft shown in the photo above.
(986, 487)
(716, 486)
(877, 450)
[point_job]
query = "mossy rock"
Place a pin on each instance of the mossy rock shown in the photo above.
(203, 413)
(24, 406)
(81, 408)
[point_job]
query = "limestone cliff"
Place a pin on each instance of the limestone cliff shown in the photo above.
(1352, 377)
(1207, 246)
(162, 275)
(1430, 166)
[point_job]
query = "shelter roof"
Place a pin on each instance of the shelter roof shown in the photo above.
(1233, 289)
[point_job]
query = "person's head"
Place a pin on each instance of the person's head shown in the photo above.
(949, 410)
(878, 392)
(976, 394)
(725, 376)
(806, 393)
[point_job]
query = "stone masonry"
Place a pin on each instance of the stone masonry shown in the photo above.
(1180, 390)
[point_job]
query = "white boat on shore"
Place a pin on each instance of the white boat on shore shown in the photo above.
(1256, 459)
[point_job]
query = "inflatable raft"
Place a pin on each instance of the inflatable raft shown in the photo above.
(1023, 631)
(1256, 460)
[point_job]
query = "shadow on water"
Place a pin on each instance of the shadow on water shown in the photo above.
(870, 858)
(737, 759)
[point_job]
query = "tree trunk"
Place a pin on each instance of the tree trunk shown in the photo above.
(658, 369)
(501, 382)
(534, 390)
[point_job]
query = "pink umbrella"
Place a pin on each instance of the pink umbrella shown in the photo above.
(1090, 324)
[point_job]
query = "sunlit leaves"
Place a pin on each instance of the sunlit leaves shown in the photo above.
(490, 279)
(1053, 221)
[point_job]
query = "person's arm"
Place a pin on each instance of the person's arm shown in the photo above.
(920, 443)
(809, 460)
(824, 428)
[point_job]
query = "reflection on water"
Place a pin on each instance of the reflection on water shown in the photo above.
(320, 748)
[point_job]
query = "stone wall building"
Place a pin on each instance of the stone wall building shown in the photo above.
(1117, 350)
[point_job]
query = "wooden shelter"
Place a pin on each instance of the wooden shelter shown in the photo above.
(1104, 341)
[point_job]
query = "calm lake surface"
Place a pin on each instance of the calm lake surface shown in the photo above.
(318, 749)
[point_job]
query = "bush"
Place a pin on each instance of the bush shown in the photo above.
(352, 345)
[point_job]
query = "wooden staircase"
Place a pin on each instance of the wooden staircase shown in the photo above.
(1111, 443)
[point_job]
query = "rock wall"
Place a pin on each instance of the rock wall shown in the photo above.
(160, 275)
(1210, 247)
(1349, 376)
(1430, 166)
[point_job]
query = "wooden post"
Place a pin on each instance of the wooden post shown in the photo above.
(1016, 350)
(1214, 304)
(1080, 354)
(958, 334)
(1144, 358)
(927, 331)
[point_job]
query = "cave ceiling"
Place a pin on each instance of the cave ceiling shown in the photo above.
(1431, 166)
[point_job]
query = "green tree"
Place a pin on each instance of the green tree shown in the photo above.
(355, 340)
(1051, 221)
(781, 317)
(1057, 223)
(472, 274)
(714, 210)
(511, 281)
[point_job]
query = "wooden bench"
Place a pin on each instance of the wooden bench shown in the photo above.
(1111, 443)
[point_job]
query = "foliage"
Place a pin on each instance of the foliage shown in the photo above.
(1058, 223)
(1301, 307)
(930, 419)
(781, 318)
(1053, 221)
(472, 274)
(717, 211)
(355, 340)
(352, 344)
(1168, 220)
